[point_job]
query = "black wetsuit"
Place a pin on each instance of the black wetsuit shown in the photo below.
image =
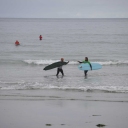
(59, 69)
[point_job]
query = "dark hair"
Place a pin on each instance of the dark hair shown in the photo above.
(86, 58)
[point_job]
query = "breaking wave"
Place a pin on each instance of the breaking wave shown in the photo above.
(46, 62)
(22, 85)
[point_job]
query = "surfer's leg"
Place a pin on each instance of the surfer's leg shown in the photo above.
(85, 72)
(57, 71)
(61, 70)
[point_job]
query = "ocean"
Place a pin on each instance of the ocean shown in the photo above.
(104, 41)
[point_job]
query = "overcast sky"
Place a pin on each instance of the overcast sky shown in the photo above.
(64, 8)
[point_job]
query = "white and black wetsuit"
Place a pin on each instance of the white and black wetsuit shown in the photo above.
(59, 69)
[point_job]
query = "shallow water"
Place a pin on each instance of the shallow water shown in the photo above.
(103, 40)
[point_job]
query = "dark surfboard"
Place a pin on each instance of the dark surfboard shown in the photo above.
(55, 65)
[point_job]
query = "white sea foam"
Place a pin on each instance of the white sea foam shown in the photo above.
(37, 86)
(40, 62)
(22, 85)
(113, 62)
(46, 62)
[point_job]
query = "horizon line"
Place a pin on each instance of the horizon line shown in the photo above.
(59, 18)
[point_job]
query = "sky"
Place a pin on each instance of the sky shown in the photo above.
(63, 8)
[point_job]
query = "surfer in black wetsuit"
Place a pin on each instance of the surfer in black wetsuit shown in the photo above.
(59, 69)
(86, 61)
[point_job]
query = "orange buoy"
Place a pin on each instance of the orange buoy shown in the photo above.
(40, 37)
(17, 43)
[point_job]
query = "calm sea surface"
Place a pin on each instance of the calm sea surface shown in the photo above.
(102, 40)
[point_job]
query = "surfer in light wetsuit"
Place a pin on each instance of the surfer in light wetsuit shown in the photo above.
(86, 61)
(59, 69)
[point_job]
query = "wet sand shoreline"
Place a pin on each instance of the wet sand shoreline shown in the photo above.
(69, 109)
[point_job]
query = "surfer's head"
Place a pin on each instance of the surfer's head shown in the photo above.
(86, 58)
(62, 59)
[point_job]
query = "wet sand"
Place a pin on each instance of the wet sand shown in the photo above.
(58, 108)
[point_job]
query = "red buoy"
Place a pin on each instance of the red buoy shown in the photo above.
(40, 37)
(17, 43)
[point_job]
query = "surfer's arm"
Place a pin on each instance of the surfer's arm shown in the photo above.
(90, 66)
(79, 61)
(66, 63)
